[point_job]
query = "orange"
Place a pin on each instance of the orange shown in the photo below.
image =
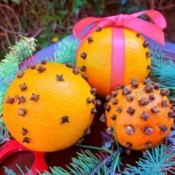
(46, 107)
(97, 48)
(139, 118)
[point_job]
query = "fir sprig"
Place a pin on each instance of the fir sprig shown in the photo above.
(9, 66)
(163, 70)
(65, 50)
(88, 163)
(158, 161)
(4, 134)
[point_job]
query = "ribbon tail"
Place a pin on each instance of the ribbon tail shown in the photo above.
(146, 28)
(82, 28)
(155, 16)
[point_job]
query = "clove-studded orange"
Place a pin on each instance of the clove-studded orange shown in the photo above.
(48, 107)
(139, 115)
(94, 57)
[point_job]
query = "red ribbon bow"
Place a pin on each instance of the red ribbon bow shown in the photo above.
(151, 30)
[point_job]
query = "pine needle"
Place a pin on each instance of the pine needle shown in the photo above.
(9, 65)
(4, 134)
(157, 161)
(163, 70)
(65, 50)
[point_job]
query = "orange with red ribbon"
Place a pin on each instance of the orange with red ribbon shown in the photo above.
(86, 27)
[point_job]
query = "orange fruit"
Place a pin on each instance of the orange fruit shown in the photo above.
(95, 54)
(139, 117)
(46, 108)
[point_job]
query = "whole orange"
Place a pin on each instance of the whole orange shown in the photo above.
(94, 56)
(139, 117)
(46, 107)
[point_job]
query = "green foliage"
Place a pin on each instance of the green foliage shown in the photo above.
(9, 66)
(163, 71)
(86, 163)
(4, 135)
(157, 161)
(65, 50)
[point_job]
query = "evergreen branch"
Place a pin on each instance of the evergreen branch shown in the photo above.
(163, 70)
(65, 50)
(158, 161)
(4, 134)
(9, 66)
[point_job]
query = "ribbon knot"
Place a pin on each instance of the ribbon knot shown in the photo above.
(131, 21)
(119, 20)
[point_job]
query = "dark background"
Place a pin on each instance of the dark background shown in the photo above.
(50, 20)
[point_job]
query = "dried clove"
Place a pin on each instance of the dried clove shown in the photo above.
(155, 109)
(83, 68)
(128, 145)
(126, 91)
(119, 109)
(24, 131)
(163, 128)
(134, 83)
(23, 87)
(114, 93)
(109, 130)
(26, 140)
(148, 54)
(130, 110)
(98, 29)
(145, 44)
(93, 91)
(103, 118)
(90, 39)
(43, 62)
(20, 74)
(156, 86)
(60, 77)
(22, 112)
(113, 117)
(129, 98)
(143, 101)
(108, 98)
(83, 55)
(114, 101)
(144, 116)
(151, 97)
(10, 100)
(148, 130)
(64, 119)
(41, 69)
(93, 111)
(164, 92)
(129, 130)
(21, 99)
(107, 108)
(164, 103)
(34, 97)
(149, 88)
(87, 131)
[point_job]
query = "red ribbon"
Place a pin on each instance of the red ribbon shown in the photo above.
(152, 30)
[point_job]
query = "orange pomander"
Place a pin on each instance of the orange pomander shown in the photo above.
(49, 107)
(139, 115)
(94, 57)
